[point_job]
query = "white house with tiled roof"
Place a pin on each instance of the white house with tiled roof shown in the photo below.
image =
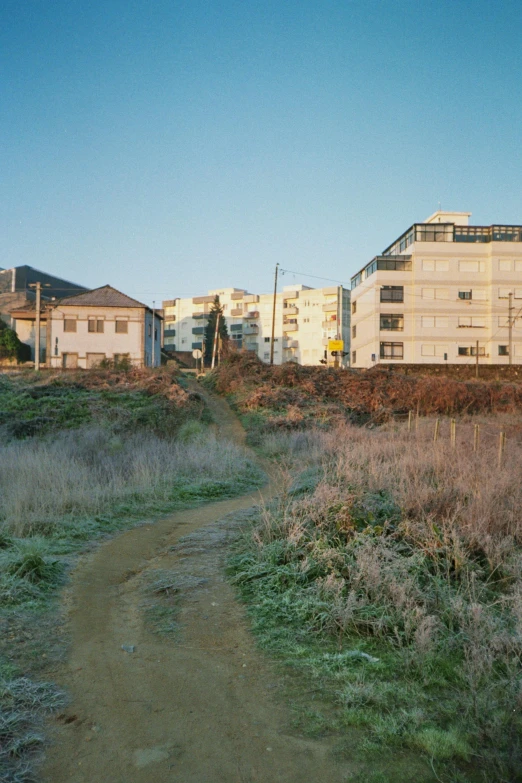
(85, 329)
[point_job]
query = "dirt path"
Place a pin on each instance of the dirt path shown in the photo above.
(199, 707)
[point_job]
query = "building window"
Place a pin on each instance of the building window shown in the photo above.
(354, 308)
(392, 293)
(95, 325)
(354, 357)
(464, 294)
(69, 324)
(392, 350)
(266, 355)
(471, 350)
(503, 350)
(354, 332)
(392, 323)
(150, 330)
(267, 339)
(122, 327)
(155, 334)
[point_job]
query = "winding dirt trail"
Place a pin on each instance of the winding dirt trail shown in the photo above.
(201, 708)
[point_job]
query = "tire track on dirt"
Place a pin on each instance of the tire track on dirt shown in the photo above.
(202, 710)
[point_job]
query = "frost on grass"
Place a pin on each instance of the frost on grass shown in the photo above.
(95, 471)
(23, 705)
(408, 552)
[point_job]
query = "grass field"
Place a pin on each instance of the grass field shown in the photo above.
(389, 575)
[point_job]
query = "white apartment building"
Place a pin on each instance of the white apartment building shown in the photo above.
(305, 319)
(438, 293)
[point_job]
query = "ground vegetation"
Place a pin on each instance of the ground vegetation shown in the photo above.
(389, 575)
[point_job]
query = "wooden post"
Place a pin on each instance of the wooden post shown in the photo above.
(436, 432)
(214, 347)
(453, 433)
(476, 436)
(476, 360)
(410, 417)
(501, 447)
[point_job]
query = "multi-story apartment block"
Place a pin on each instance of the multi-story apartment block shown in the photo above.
(305, 319)
(444, 291)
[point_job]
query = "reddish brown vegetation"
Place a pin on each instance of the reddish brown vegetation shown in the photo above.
(377, 394)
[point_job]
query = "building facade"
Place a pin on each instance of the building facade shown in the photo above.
(443, 292)
(305, 319)
(17, 292)
(85, 329)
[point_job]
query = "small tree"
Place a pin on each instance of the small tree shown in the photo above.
(10, 345)
(210, 330)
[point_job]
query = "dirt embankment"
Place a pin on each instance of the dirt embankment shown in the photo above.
(199, 706)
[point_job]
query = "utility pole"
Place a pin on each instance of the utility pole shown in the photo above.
(476, 359)
(274, 315)
(38, 287)
(216, 337)
(153, 333)
(510, 327)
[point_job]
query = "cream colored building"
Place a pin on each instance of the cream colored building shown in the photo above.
(305, 319)
(439, 291)
(102, 324)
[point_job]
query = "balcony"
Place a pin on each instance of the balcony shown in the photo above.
(290, 327)
(200, 314)
(290, 295)
(198, 330)
(203, 299)
(169, 333)
(251, 329)
(252, 314)
(236, 327)
(236, 311)
(251, 298)
(291, 310)
(251, 345)
(329, 307)
(197, 345)
(330, 324)
(237, 295)
(288, 344)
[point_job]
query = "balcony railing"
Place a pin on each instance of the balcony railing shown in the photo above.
(252, 314)
(251, 329)
(329, 324)
(200, 314)
(198, 330)
(169, 333)
(330, 306)
(291, 310)
(290, 295)
(236, 311)
(290, 327)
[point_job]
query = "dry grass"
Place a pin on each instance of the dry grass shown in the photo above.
(50, 483)
(412, 551)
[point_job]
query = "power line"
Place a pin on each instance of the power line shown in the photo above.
(316, 277)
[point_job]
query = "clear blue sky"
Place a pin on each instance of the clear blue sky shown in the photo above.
(170, 147)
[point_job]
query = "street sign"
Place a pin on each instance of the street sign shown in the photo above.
(335, 345)
(196, 353)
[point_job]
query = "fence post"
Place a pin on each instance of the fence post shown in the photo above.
(410, 416)
(453, 433)
(501, 447)
(476, 436)
(436, 432)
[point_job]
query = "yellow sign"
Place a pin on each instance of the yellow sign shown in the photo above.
(335, 345)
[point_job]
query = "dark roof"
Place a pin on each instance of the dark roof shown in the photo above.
(106, 296)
